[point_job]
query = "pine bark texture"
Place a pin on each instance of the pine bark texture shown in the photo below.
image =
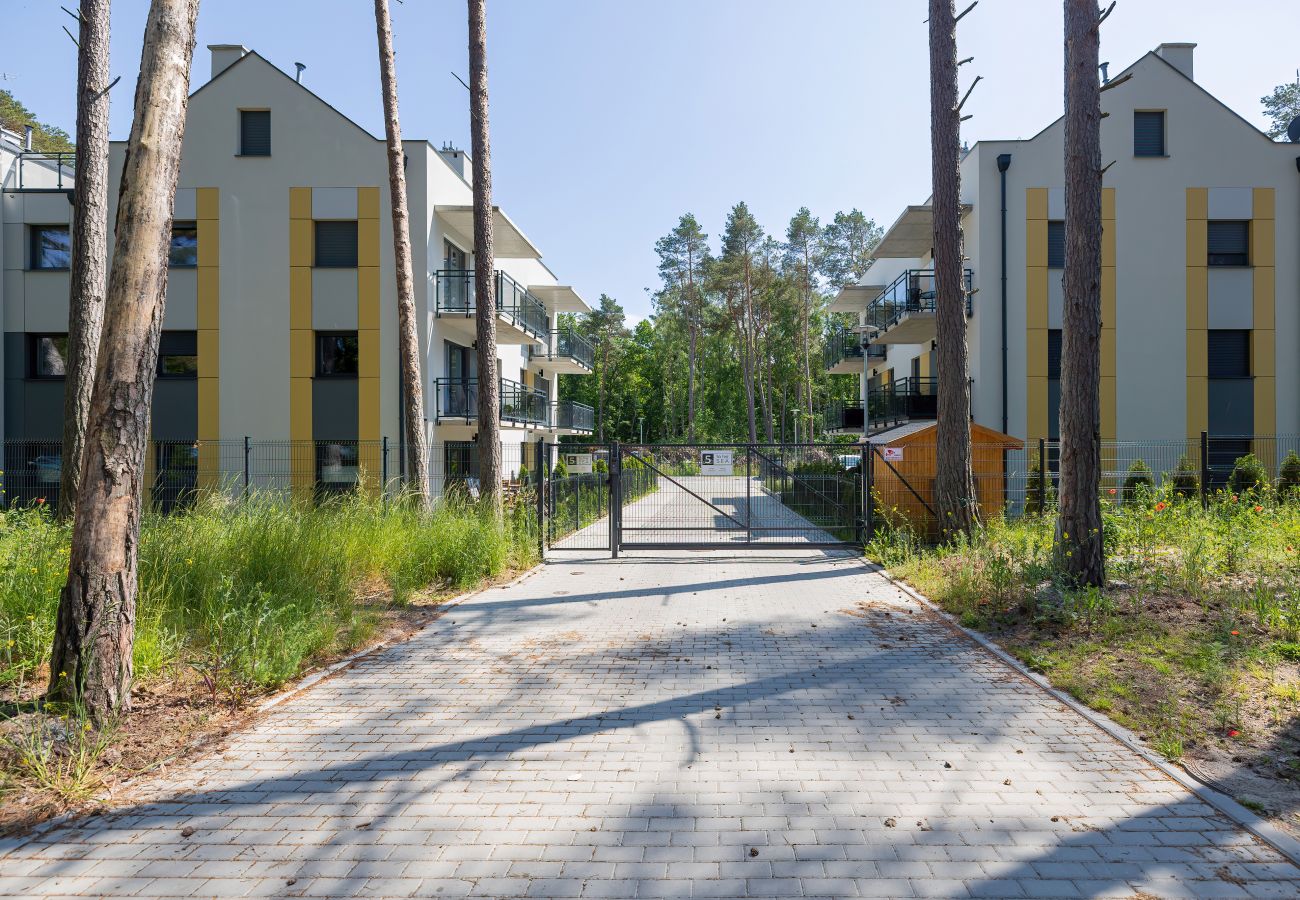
(95, 631)
(1079, 543)
(955, 486)
(417, 448)
(89, 242)
(489, 388)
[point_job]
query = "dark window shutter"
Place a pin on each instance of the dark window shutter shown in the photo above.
(255, 132)
(1148, 133)
(1228, 243)
(1054, 353)
(1056, 245)
(1228, 353)
(336, 245)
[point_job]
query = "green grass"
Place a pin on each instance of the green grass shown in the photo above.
(249, 593)
(1189, 643)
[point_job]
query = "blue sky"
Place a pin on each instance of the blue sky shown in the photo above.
(612, 117)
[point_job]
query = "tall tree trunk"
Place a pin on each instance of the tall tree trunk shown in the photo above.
(1078, 526)
(690, 388)
(766, 387)
(95, 631)
(805, 327)
(747, 367)
(485, 317)
(600, 396)
(417, 449)
(89, 242)
(955, 486)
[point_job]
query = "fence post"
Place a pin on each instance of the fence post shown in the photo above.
(383, 466)
(248, 449)
(1205, 470)
(865, 479)
(615, 497)
(1042, 477)
(541, 498)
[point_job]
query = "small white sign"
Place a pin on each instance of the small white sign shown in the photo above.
(716, 462)
(578, 463)
(893, 454)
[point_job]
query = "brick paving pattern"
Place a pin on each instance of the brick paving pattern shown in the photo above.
(677, 725)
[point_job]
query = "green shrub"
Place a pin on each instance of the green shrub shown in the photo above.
(1186, 481)
(600, 465)
(560, 470)
(1139, 482)
(1248, 476)
(1288, 484)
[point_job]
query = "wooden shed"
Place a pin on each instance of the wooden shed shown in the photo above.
(904, 467)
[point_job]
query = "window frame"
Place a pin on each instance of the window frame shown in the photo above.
(1243, 335)
(1061, 224)
(33, 252)
(189, 337)
(1210, 255)
(318, 338)
(315, 244)
(1164, 133)
(243, 151)
(33, 369)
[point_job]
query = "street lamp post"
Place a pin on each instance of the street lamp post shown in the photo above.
(795, 413)
(640, 421)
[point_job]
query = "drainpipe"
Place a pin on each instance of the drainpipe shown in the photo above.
(1004, 163)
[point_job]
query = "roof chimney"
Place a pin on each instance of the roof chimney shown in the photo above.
(224, 56)
(458, 160)
(27, 137)
(1179, 56)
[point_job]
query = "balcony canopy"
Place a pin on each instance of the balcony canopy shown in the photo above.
(559, 298)
(508, 242)
(912, 235)
(854, 298)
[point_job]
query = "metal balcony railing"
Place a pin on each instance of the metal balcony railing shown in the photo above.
(912, 292)
(36, 172)
(841, 345)
(567, 343)
(844, 415)
(455, 297)
(457, 398)
(905, 400)
(574, 416)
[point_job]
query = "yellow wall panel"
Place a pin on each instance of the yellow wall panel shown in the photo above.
(1263, 353)
(1036, 203)
(367, 203)
(1108, 313)
(1198, 203)
(368, 297)
(368, 353)
(207, 203)
(1265, 297)
(300, 297)
(1036, 297)
(1197, 237)
(209, 242)
(1198, 403)
(1263, 242)
(300, 203)
(209, 407)
(301, 353)
(1035, 408)
(300, 409)
(368, 242)
(208, 310)
(1108, 351)
(1197, 351)
(368, 409)
(1198, 305)
(1036, 353)
(1265, 405)
(1036, 243)
(209, 347)
(1108, 407)
(1264, 204)
(1108, 204)
(300, 249)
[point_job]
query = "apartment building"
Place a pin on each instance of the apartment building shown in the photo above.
(1200, 278)
(281, 314)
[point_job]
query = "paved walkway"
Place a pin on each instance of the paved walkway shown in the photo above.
(692, 725)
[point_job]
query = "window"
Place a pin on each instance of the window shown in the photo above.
(48, 355)
(336, 245)
(1149, 133)
(178, 354)
(1056, 245)
(51, 247)
(1228, 353)
(1054, 353)
(1228, 243)
(452, 256)
(254, 132)
(336, 354)
(337, 467)
(184, 250)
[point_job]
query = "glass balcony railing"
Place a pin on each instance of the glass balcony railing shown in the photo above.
(457, 398)
(573, 416)
(912, 292)
(455, 297)
(567, 343)
(842, 345)
(844, 415)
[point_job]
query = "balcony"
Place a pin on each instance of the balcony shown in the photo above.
(43, 173)
(904, 311)
(457, 401)
(521, 317)
(568, 353)
(841, 416)
(573, 417)
(844, 354)
(905, 400)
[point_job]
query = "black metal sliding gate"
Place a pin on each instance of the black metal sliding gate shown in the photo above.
(698, 496)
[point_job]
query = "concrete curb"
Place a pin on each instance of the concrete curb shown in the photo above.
(1261, 828)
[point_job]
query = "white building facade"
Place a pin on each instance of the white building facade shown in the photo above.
(1200, 278)
(281, 314)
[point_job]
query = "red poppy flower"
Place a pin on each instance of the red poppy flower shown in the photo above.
(1235, 633)
(1259, 509)
(1160, 506)
(40, 501)
(1111, 492)
(1232, 732)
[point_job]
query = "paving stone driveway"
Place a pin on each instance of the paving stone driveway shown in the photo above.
(687, 725)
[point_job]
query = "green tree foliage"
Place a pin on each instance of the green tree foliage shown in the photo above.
(1248, 476)
(1139, 482)
(1288, 483)
(848, 241)
(1281, 107)
(45, 138)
